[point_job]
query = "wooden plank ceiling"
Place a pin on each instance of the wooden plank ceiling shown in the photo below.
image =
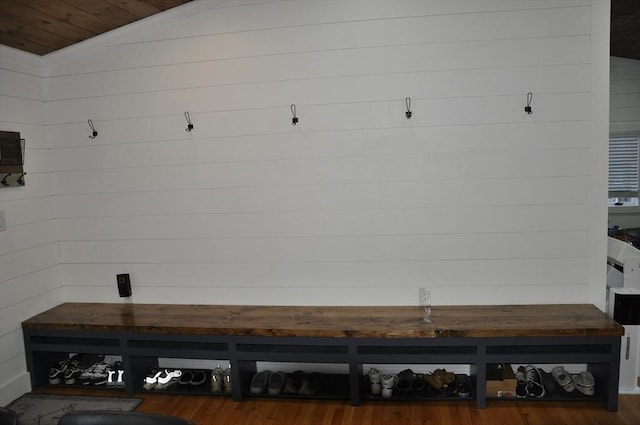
(44, 26)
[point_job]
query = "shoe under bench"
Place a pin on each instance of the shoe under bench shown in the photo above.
(477, 336)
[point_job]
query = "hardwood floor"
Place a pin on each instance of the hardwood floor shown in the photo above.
(207, 410)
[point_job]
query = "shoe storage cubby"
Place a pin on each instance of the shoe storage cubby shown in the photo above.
(166, 365)
(313, 353)
(546, 382)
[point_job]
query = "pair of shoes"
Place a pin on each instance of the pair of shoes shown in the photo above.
(294, 382)
(276, 383)
(302, 383)
(533, 386)
(563, 378)
(150, 381)
(72, 367)
(193, 378)
(440, 379)
(584, 382)
(56, 372)
(405, 380)
(78, 364)
(167, 378)
(221, 380)
(312, 383)
(259, 382)
(161, 379)
(115, 376)
(98, 374)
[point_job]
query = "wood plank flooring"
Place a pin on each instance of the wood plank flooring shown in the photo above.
(208, 410)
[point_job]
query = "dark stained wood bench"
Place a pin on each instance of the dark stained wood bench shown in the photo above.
(473, 335)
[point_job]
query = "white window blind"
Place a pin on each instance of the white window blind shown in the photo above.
(624, 166)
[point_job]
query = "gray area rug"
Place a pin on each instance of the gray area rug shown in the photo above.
(46, 409)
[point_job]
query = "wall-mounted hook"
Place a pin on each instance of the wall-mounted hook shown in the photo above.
(294, 120)
(21, 179)
(527, 108)
(94, 133)
(188, 118)
(407, 102)
(4, 180)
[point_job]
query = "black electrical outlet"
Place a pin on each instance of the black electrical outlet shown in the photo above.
(124, 285)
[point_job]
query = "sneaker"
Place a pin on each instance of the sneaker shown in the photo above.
(535, 387)
(56, 373)
(434, 380)
(405, 380)
(216, 379)
(259, 382)
(151, 380)
(71, 374)
(199, 378)
(168, 378)
(563, 378)
(374, 376)
(389, 381)
(276, 383)
(521, 382)
(226, 380)
(100, 374)
(585, 383)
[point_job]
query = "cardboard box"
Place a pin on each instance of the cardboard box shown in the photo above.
(504, 387)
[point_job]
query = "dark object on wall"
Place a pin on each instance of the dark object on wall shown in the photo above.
(189, 123)
(11, 159)
(120, 418)
(124, 285)
(527, 108)
(94, 132)
(407, 102)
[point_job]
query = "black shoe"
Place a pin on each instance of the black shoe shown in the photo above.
(405, 380)
(535, 386)
(521, 382)
(56, 373)
(259, 382)
(276, 383)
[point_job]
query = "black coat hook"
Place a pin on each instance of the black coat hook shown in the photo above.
(4, 180)
(527, 108)
(407, 102)
(21, 179)
(94, 133)
(294, 120)
(188, 118)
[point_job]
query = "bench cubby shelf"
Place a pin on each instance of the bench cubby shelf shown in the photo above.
(473, 336)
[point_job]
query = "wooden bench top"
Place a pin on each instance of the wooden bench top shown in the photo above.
(332, 322)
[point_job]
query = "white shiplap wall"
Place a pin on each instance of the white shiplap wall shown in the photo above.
(355, 204)
(30, 278)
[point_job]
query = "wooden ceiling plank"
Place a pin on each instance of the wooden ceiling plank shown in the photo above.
(31, 20)
(84, 23)
(112, 16)
(138, 8)
(166, 4)
(19, 42)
